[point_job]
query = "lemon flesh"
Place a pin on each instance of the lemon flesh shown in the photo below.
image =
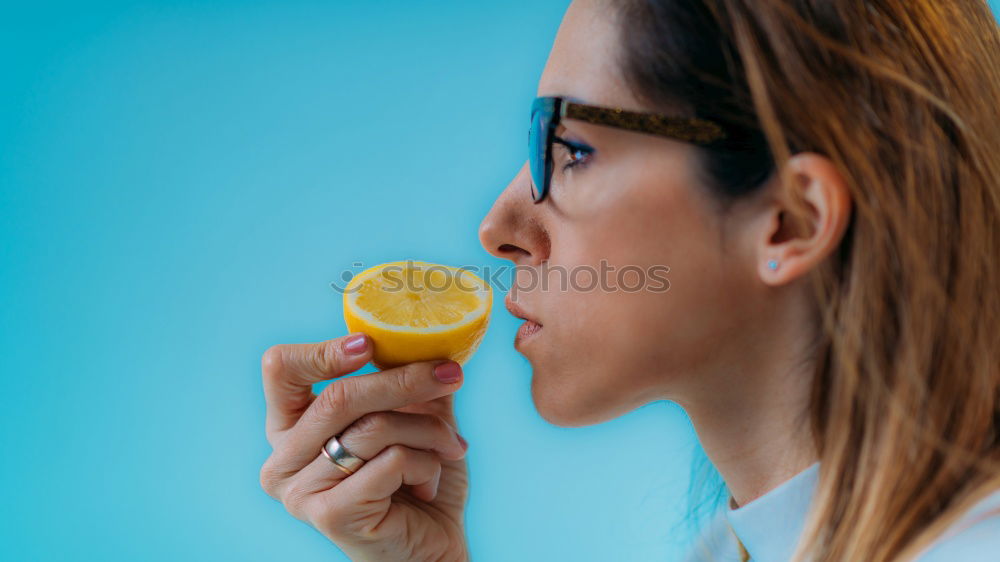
(418, 311)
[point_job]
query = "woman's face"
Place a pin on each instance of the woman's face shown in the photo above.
(636, 202)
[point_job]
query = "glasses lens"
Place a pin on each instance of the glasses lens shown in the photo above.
(537, 147)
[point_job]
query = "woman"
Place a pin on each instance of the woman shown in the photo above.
(822, 180)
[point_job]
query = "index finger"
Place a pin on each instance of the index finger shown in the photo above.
(290, 370)
(345, 401)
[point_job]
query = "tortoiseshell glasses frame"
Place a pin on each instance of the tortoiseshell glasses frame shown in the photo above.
(546, 112)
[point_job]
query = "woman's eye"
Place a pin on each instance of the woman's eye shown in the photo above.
(575, 154)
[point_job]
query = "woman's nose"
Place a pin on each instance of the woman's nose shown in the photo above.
(514, 228)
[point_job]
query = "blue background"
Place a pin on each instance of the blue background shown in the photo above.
(179, 183)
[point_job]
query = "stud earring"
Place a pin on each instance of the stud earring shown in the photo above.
(772, 265)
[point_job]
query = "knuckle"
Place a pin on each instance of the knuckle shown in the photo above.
(272, 437)
(408, 383)
(271, 361)
(334, 398)
(332, 519)
(369, 424)
(396, 456)
(326, 356)
(295, 500)
(270, 477)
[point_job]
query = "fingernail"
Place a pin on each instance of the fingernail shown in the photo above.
(465, 444)
(448, 372)
(356, 345)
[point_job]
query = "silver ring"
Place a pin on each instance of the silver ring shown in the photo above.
(341, 457)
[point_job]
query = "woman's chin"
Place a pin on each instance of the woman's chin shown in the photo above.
(561, 408)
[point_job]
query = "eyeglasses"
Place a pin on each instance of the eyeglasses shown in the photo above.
(547, 111)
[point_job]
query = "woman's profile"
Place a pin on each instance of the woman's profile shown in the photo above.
(822, 180)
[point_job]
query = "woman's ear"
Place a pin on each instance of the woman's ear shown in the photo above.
(806, 221)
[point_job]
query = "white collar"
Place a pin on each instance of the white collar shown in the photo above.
(770, 525)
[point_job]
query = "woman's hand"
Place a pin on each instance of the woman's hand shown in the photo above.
(406, 502)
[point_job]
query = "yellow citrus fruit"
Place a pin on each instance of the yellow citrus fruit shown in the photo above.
(418, 311)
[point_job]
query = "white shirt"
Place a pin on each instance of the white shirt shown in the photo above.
(770, 526)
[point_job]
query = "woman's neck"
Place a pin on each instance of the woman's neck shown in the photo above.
(755, 444)
(751, 415)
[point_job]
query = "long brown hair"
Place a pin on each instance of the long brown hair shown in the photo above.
(903, 96)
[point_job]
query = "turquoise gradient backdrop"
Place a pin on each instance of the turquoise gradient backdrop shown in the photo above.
(179, 183)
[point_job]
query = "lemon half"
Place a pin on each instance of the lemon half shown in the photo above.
(418, 311)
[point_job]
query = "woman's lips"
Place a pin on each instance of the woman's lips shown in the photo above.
(530, 326)
(528, 329)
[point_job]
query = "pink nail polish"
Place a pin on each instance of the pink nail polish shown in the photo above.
(356, 345)
(465, 444)
(448, 372)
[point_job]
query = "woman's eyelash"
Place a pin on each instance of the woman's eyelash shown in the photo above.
(573, 149)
